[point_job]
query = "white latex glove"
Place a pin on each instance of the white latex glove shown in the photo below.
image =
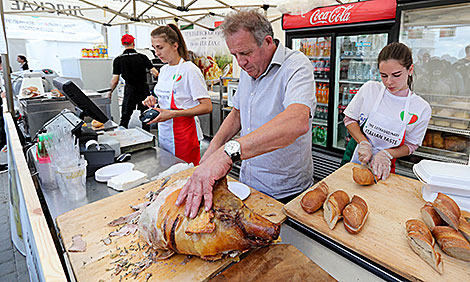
(381, 164)
(364, 152)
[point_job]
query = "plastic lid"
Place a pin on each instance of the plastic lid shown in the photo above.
(443, 174)
(105, 173)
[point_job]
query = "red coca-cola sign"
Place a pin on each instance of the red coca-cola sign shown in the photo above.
(364, 11)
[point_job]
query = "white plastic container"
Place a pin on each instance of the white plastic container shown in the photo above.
(448, 178)
(444, 177)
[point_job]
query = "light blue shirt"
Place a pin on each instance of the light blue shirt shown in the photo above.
(287, 80)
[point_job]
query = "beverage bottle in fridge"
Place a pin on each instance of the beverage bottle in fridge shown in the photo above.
(352, 70)
(360, 71)
(326, 113)
(327, 68)
(327, 89)
(314, 134)
(320, 68)
(317, 92)
(344, 101)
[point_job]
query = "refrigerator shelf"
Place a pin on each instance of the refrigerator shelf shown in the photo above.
(319, 122)
(352, 82)
(322, 80)
(449, 130)
(451, 118)
(357, 58)
(322, 104)
(441, 155)
(319, 57)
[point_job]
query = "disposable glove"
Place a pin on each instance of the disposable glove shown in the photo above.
(364, 152)
(381, 164)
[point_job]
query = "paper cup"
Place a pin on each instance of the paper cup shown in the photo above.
(72, 181)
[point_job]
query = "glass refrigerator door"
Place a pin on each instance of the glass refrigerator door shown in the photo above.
(356, 63)
(318, 50)
(440, 40)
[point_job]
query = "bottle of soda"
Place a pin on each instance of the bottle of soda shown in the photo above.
(344, 101)
(320, 70)
(327, 68)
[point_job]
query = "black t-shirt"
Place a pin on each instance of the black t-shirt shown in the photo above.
(132, 66)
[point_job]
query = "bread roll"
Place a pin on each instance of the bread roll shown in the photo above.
(422, 243)
(333, 207)
(443, 123)
(461, 114)
(455, 143)
(427, 141)
(362, 175)
(452, 242)
(466, 215)
(459, 125)
(447, 209)
(464, 228)
(96, 123)
(446, 112)
(430, 216)
(437, 140)
(314, 199)
(355, 215)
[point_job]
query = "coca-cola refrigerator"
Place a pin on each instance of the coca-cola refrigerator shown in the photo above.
(342, 42)
(438, 33)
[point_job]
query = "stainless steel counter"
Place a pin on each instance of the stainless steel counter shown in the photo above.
(151, 161)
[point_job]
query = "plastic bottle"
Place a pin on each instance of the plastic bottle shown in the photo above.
(327, 68)
(327, 86)
(344, 101)
(352, 70)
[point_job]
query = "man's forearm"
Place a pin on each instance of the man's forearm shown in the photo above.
(278, 133)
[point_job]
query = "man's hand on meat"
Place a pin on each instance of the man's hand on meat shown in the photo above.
(200, 184)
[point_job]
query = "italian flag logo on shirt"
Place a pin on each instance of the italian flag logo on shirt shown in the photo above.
(414, 117)
(177, 78)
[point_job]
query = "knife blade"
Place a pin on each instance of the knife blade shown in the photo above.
(370, 169)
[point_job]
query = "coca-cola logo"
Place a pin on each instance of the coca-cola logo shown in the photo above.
(338, 14)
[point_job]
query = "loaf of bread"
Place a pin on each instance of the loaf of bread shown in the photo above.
(464, 228)
(355, 215)
(313, 200)
(430, 216)
(455, 143)
(447, 209)
(437, 140)
(466, 215)
(362, 175)
(422, 243)
(461, 114)
(333, 207)
(452, 242)
(459, 125)
(446, 112)
(427, 141)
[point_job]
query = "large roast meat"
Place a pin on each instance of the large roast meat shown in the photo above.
(229, 227)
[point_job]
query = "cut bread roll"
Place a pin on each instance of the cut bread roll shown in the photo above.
(415, 225)
(314, 199)
(447, 209)
(452, 242)
(333, 207)
(355, 215)
(425, 251)
(430, 216)
(466, 215)
(464, 228)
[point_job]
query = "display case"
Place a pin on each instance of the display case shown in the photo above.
(439, 38)
(356, 63)
(318, 50)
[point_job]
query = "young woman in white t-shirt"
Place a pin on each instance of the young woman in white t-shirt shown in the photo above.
(181, 93)
(386, 119)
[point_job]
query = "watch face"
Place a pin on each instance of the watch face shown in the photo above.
(232, 147)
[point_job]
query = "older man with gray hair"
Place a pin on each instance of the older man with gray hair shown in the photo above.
(273, 107)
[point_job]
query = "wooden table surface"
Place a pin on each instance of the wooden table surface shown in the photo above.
(383, 238)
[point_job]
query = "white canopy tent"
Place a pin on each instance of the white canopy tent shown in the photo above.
(48, 30)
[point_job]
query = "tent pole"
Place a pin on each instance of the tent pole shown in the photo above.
(6, 67)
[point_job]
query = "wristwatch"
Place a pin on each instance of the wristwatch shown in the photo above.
(233, 149)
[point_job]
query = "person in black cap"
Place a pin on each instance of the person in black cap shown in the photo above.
(132, 66)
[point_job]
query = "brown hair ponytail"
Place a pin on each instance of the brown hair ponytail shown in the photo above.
(172, 34)
(399, 52)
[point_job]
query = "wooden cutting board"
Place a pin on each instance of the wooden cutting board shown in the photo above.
(95, 263)
(383, 238)
(280, 262)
